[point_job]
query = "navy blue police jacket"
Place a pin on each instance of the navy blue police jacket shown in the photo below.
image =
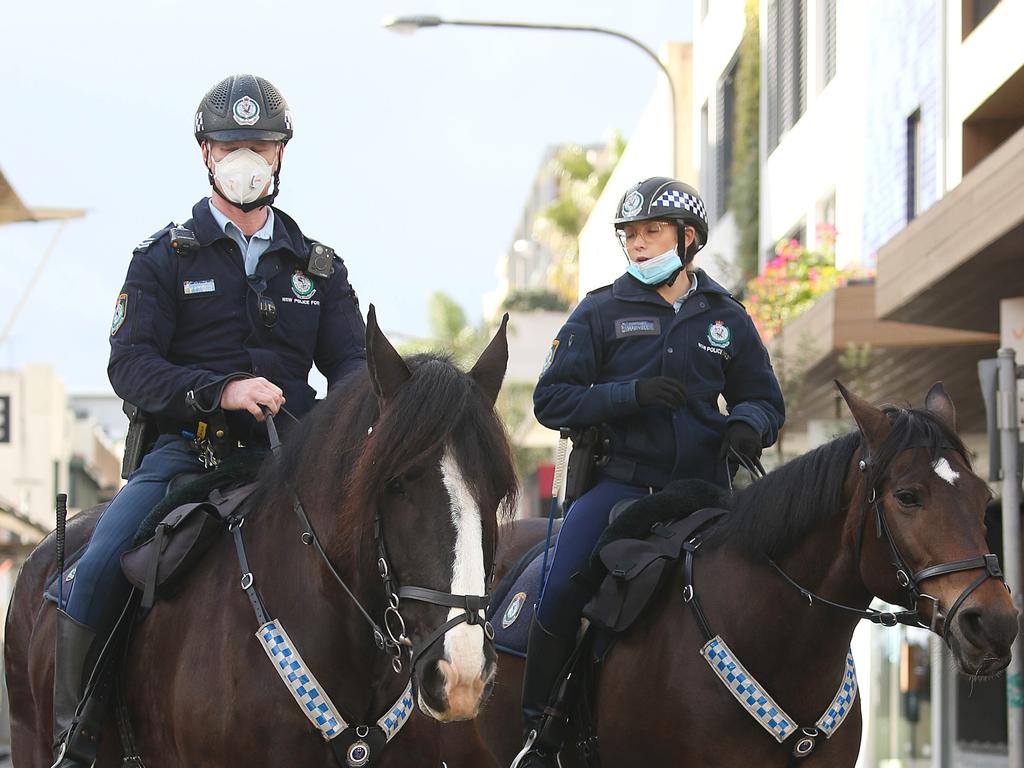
(625, 332)
(184, 320)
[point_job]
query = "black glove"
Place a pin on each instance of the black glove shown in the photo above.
(742, 438)
(660, 390)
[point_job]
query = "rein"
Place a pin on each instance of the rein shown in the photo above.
(353, 746)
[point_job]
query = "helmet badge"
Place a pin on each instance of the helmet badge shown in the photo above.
(246, 111)
(632, 204)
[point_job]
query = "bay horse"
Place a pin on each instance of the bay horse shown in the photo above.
(826, 524)
(405, 462)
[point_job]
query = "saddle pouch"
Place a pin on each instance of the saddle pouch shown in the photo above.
(636, 568)
(160, 564)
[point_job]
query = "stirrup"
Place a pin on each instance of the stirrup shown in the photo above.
(526, 750)
(62, 753)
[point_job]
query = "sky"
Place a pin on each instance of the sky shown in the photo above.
(412, 155)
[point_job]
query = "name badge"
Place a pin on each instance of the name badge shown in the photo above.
(637, 326)
(192, 287)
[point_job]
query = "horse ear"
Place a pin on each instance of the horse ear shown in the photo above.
(939, 402)
(872, 422)
(489, 370)
(388, 370)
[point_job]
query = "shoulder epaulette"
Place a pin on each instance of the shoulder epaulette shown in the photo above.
(742, 306)
(146, 244)
(602, 289)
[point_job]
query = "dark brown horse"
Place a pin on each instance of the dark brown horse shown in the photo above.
(414, 444)
(659, 703)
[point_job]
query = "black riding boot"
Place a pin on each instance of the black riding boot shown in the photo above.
(546, 656)
(75, 738)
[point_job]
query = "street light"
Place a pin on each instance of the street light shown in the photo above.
(409, 24)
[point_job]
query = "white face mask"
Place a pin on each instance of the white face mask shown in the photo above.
(242, 175)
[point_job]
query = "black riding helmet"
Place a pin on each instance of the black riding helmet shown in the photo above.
(660, 197)
(241, 108)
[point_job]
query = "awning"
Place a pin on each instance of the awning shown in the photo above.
(952, 264)
(12, 209)
(904, 361)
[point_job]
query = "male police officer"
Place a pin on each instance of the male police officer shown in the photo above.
(236, 289)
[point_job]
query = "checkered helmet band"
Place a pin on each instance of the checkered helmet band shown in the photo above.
(660, 197)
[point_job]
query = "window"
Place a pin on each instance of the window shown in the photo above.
(726, 135)
(828, 40)
(913, 165)
(5, 419)
(786, 59)
(706, 171)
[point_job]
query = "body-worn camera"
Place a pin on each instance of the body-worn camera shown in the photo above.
(183, 241)
(321, 260)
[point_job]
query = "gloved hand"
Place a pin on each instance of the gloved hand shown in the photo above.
(742, 438)
(660, 390)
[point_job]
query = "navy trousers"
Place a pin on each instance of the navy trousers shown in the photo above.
(561, 602)
(99, 588)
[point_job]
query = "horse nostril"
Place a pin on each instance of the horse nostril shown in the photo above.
(971, 625)
(993, 631)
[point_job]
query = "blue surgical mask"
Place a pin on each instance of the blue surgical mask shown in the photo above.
(656, 270)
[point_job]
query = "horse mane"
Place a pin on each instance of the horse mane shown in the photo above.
(773, 515)
(358, 450)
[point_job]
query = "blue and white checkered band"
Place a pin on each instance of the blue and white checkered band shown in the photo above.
(393, 721)
(300, 681)
(843, 701)
(315, 703)
(747, 691)
(752, 696)
(673, 198)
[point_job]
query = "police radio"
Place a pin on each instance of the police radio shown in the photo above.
(321, 260)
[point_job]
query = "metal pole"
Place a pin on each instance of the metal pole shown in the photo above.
(943, 683)
(1009, 433)
(419, 22)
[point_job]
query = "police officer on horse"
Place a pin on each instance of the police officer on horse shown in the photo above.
(225, 313)
(644, 360)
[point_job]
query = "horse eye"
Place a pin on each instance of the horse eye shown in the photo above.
(395, 487)
(907, 499)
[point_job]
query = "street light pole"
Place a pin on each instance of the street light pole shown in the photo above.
(409, 24)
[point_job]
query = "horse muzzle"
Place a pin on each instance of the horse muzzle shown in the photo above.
(455, 685)
(983, 632)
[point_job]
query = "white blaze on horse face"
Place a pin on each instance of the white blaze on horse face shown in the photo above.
(946, 472)
(464, 645)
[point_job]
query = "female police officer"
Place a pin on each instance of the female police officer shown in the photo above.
(237, 288)
(646, 358)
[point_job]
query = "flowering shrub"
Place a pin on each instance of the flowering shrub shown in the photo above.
(793, 280)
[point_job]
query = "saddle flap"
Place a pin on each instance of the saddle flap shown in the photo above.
(181, 538)
(636, 568)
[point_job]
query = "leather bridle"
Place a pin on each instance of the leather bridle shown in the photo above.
(907, 578)
(392, 638)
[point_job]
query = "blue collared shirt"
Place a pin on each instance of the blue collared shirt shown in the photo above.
(252, 247)
(678, 303)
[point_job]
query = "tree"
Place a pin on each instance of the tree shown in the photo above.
(582, 174)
